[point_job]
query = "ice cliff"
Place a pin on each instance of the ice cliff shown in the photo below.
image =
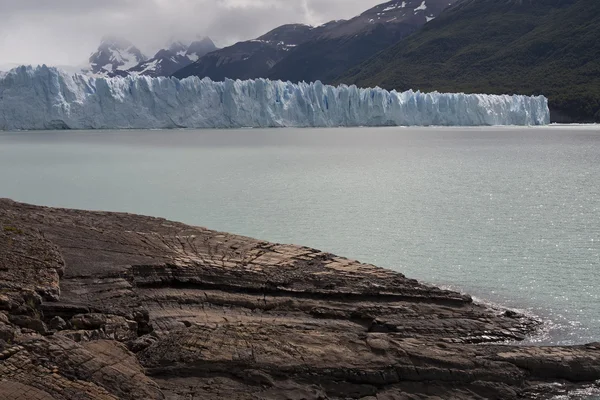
(48, 98)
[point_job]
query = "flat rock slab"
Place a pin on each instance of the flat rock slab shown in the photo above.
(110, 305)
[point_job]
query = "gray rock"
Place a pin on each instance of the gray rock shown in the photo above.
(88, 321)
(141, 343)
(58, 324)
(7, 332)
(34, 324)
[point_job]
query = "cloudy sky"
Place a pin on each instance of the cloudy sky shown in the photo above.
(66, 32)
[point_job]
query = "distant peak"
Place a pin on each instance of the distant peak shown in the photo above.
(200, 47)
(333, 22)
(204, 40)
(116, 41)
(177, 46)
(114, 55)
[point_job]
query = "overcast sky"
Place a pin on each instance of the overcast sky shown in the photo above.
(66, 32)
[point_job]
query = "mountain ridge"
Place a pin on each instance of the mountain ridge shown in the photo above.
(114, 56)
(319, 53)
(250, 58)
(547, 47)
(177, 56)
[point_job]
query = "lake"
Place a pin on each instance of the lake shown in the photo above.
(510, 215)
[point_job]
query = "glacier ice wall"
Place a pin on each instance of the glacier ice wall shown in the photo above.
(48, 98)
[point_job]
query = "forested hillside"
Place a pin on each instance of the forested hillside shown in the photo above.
(549, 47)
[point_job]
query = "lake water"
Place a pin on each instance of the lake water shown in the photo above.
(510, 215)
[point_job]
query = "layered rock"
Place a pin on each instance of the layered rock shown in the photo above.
(108, 305)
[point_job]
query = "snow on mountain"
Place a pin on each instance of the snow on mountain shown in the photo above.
(407, 12)
(114, 56)
(251, 58)
(164, 63)
(178, 48)
(343, 45)
(47, 98)
(289, 35)
(200, 48)
(177, 56)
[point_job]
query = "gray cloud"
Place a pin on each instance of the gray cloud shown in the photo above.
(65, 32)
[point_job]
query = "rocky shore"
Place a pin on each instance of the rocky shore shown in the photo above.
(97, 305)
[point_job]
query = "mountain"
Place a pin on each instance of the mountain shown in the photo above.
(252, 58)
(114, 56)
(178, 55)
(351, 42)
(199, 48)
(548, 47)
(304, 53)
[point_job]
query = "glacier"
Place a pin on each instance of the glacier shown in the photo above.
(38, 98)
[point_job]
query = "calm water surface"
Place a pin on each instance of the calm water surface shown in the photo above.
(510, 215)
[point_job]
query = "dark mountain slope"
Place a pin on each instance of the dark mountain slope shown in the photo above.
(252, 58)
(199, 48)
(352, 42)
(549, 47)
(177, 56)
(300, 52)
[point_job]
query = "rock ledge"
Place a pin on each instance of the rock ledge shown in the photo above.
(97, 305)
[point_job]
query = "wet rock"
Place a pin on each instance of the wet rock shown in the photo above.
(32, 265)
(63, 369)
(6, 303)
(89, 321)
(105, 326)
(58, 324)
(512, 314)
(141, 343)
(34, 324)
(7, 332)
(259, 378)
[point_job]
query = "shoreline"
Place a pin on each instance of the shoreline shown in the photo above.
(90, 299)
(576, 126)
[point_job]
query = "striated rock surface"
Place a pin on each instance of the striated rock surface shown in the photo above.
(97, 305)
